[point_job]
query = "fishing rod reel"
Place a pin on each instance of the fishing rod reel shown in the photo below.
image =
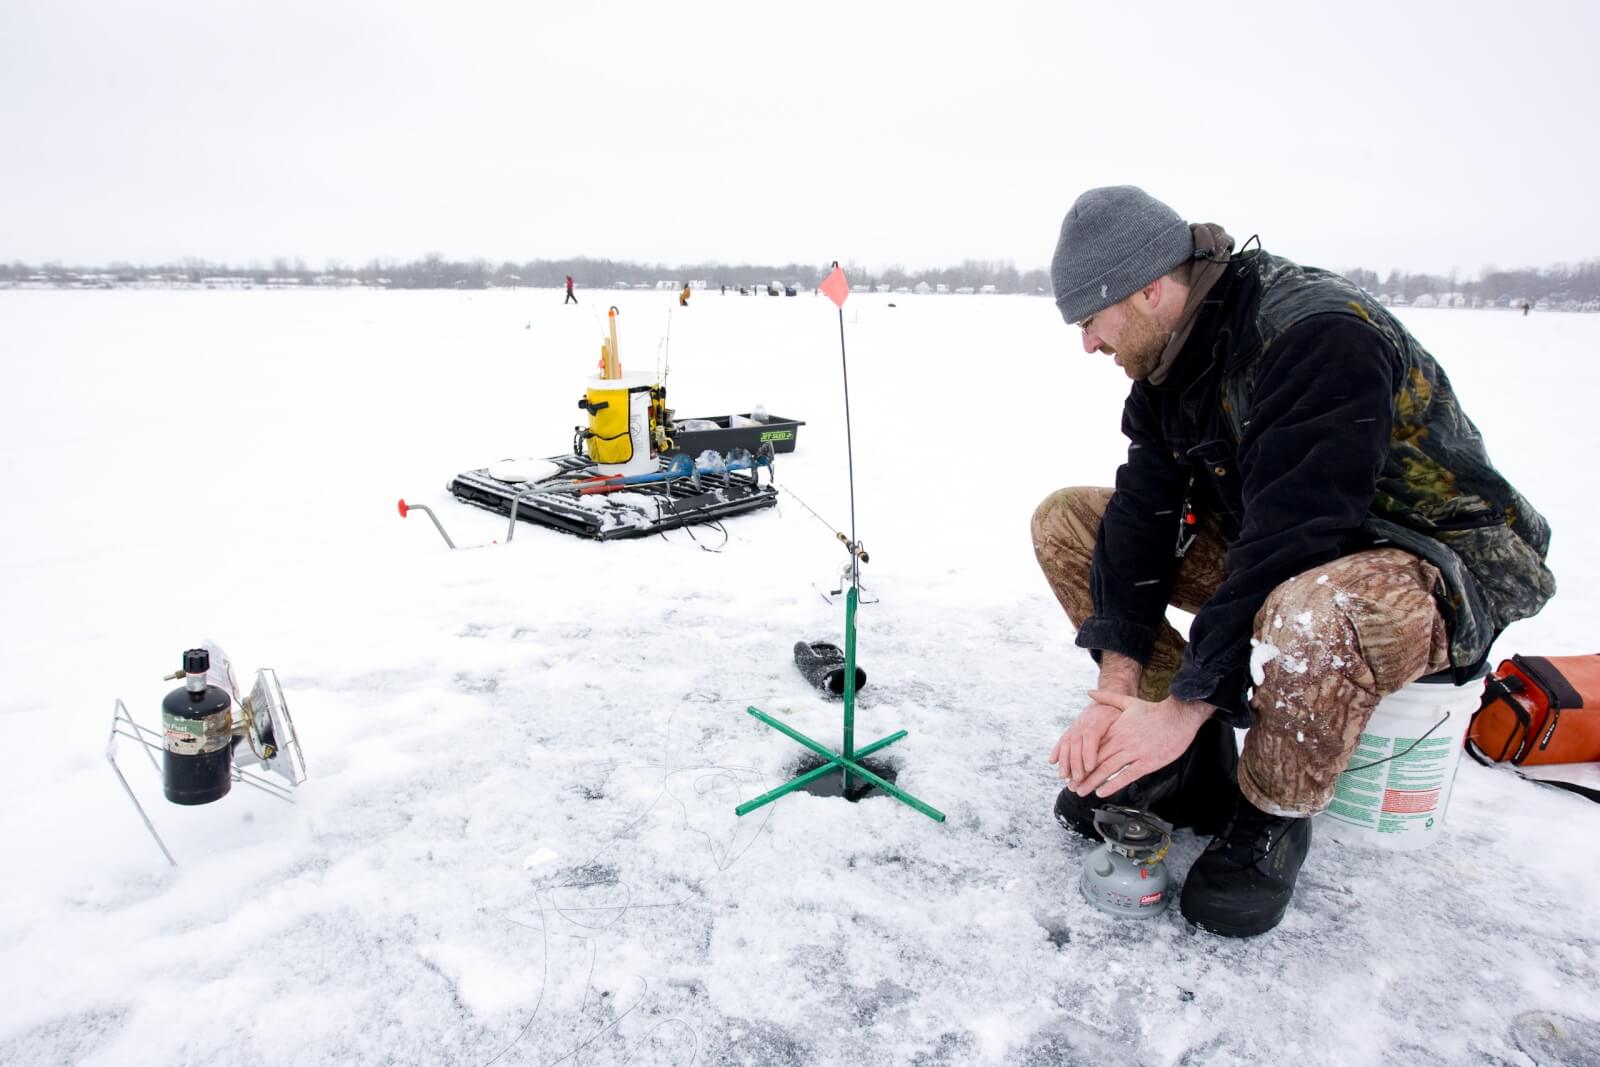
(1125, 876)
(850, 570)
(211, 737)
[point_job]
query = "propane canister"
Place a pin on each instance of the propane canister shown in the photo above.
(197, 765)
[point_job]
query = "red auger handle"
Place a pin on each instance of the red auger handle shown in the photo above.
(601, 485)
(403, 507)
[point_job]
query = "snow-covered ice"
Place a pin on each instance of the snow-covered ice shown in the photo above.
(517, 841)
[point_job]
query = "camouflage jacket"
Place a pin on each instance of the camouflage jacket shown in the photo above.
(1309, 423)
(1438, 495)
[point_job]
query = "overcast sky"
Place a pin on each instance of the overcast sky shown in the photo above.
(1425, 136)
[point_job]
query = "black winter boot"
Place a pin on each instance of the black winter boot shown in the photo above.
(1241, 884)
(823, 666)
(1195, 790)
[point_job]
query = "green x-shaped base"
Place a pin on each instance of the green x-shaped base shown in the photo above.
(836, 762)
(846, 762)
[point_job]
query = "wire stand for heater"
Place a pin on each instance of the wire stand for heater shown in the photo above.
(151, 741)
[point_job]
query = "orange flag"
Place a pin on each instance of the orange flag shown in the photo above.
(834, 287)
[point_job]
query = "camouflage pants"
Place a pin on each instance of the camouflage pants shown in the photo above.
(1346, 634)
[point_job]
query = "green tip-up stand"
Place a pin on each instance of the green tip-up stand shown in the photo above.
(848, 761)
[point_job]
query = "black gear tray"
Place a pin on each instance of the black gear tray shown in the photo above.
(775, 430)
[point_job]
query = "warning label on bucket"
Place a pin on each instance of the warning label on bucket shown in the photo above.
(1396, 785)
(1410, 801)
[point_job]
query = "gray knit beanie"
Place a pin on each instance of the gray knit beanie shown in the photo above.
(1114, 241)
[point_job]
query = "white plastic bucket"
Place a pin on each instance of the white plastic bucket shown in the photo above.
(1396, 788)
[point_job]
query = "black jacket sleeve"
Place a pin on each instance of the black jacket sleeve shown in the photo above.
(1320, 420)
(1135, 560)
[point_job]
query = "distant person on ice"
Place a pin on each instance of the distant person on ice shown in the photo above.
(570, 297)
(683, 297)
(1301, 477)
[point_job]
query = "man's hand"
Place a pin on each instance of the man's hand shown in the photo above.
(1139, 738)
(1078, 748)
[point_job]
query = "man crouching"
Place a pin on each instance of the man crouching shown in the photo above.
(1299, 476)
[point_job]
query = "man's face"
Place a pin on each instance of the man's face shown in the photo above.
(1128, 334)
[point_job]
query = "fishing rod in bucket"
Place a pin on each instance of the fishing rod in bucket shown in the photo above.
(848, 760)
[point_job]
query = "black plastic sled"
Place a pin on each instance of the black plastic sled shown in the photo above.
(611, 513)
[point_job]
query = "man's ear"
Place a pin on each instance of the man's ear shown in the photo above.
(1152, 294)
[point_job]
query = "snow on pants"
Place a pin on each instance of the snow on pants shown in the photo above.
(1346, 633)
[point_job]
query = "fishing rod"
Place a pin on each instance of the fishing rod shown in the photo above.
(664, 352)
(847, 761)
(854, 548)
(850, 454)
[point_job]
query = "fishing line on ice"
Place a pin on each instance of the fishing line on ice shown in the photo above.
(712, 778)
(716, 524)
(588, 984)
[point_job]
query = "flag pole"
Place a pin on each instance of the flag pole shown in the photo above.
(852, 598)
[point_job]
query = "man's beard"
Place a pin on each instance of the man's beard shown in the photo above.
(1142, 344)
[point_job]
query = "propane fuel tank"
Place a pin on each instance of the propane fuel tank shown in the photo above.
(197, 722)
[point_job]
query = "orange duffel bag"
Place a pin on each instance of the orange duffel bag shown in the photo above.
(1539, 709)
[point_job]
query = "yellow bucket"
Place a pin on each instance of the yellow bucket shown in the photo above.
(618, 438)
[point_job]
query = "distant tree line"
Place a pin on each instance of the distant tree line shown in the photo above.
(434, 271)
(1562, 285)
